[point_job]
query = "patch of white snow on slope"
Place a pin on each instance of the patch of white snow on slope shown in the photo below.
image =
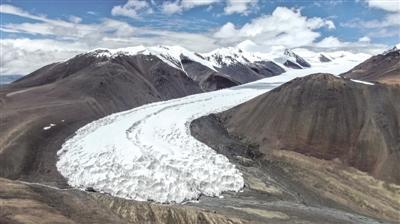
(48, 127)
(363, 82)
(148, 153)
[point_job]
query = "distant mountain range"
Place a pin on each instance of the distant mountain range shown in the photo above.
(229, 66)
(221, 68)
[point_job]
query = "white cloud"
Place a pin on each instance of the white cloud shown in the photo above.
(389, 20)
(12, 10)
(132, 8)
(188, 4)
(283, 27)
(178, 6)
(364, 39)
(387, 5)
(75, 19)
(239, 6)
(60, 39)
(171, 7)
(329, 42)
(22, 56)
(362, 46)
(226, 31)
(231, 6)
(388, 26)
(317, 22)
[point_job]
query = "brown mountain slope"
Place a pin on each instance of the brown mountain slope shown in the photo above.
(384, 68)
(35, 203)
(69, 95)
(326, 117)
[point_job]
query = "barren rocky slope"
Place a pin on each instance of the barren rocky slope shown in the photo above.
(34, 203)
(297, 185)
(384, 68)
(326, 117)
(69, 95)
(313, 135)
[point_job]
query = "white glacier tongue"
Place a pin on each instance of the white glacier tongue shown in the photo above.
(148, 153)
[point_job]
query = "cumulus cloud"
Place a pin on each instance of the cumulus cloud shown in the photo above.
(329, 42)
(22, 56)
(226, 31)
(283, 27)
(387, 5)
(239, 6)
(132, 8)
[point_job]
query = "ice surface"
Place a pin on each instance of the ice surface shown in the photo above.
(148, 153)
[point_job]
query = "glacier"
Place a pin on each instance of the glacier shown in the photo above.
(148, 153)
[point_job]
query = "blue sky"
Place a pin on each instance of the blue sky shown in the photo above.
(45, 30)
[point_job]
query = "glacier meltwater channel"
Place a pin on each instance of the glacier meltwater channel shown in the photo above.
(148, 153)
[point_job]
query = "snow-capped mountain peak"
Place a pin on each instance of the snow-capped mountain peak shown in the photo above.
(218, 59)
(294, 58)
(394, 49)
(231, 55)
(169, 54)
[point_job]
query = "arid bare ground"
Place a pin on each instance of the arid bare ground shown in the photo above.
(307, 142)
(326, 117)
(383, 68)
(300, 186)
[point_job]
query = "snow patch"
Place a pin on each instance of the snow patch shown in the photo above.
(363, 82)
(49, 126)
